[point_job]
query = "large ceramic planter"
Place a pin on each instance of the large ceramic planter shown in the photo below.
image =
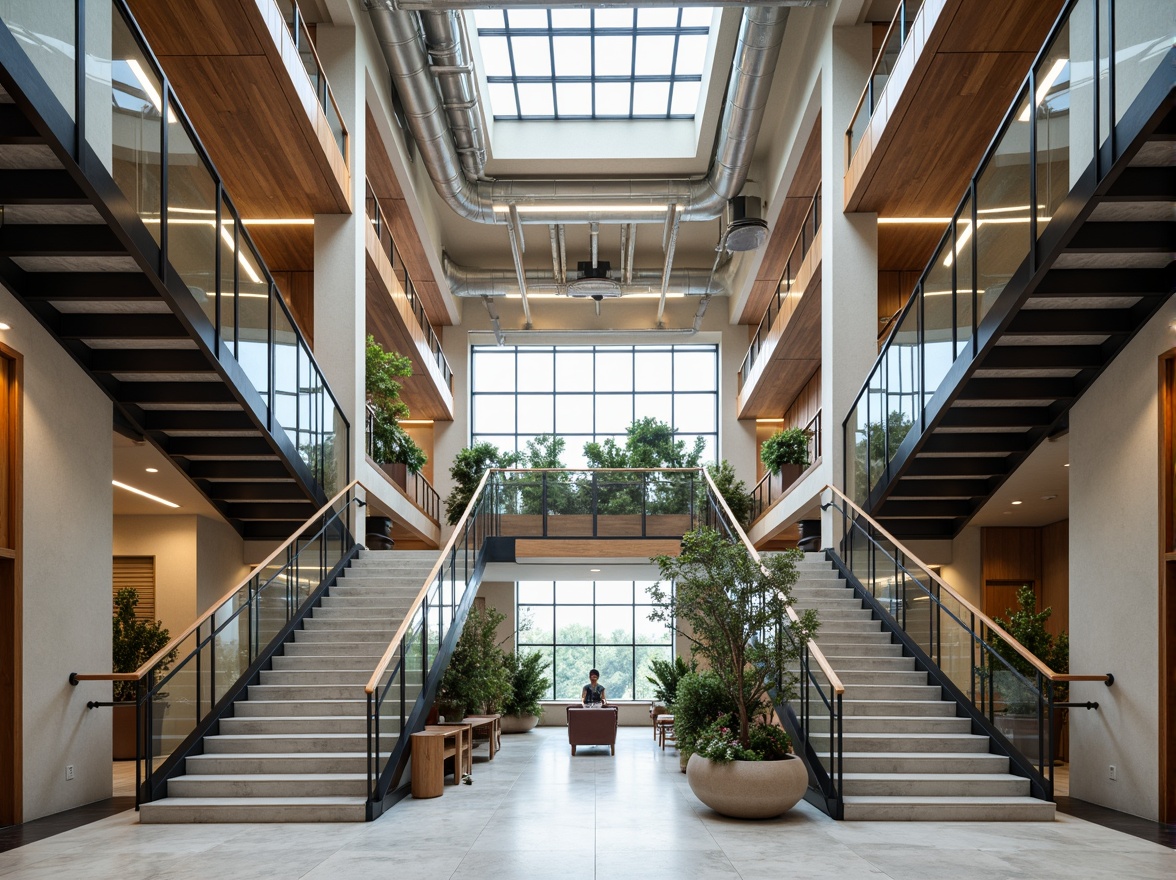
(748, 789)
(519, 723)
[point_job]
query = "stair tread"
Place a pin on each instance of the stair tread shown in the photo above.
(271, 777)
(942, 799)
(936, 777)
(256, 801)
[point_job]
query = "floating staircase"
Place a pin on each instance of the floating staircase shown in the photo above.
(907, 755)
(296, 749)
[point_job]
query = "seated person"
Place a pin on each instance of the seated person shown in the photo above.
(593, 694)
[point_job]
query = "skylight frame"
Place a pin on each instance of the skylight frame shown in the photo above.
(592, 31)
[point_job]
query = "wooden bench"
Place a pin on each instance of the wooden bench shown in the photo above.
(430, 750)
(491, 725)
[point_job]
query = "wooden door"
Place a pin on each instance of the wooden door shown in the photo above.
(10, 584)
(1167, 597)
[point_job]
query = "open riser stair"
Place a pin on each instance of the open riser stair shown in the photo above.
(908, 753)
(295, 748)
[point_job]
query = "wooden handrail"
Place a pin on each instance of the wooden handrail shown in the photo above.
(834, 680)
(175, 642)
(1000, 631)
(382, 666)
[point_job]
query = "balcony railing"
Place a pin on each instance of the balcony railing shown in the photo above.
(416, 488)
(384, 233)
(773, 487)
(896, 34)
(786, 298)
(304, 45)
(1097, 60)
(136, 133)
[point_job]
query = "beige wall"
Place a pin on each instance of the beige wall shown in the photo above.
(1114, 576)
(66, 571)
(220, 561)
(172, 541)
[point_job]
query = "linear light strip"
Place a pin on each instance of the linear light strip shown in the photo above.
(163, 501)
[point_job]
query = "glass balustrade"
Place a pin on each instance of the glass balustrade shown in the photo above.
(1045, 142)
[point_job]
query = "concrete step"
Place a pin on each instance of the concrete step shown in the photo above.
(842, 664)
(279, 725)
(906, 742)
(361, 641)
(890, 761)
(301, 763)
(245, 744)
(328, 661)
(287, 708)
(300, 677)
(896, 724)
(371, 627)
(268, 785)
(374, 602)
(933, 785)
(947, 809)
(182, 810)
(882, 677)
(312, 692)
(893, 692)
(853, 649)
(920, 708)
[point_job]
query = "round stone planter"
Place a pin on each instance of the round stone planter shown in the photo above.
(748, 789)
(519, 723)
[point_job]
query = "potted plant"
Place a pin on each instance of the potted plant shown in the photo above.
(735, 612)
(699, 699)
(528, 685)
(476, 679)
(733, 490)
(134, 643)
(786, 453)
(389, 443)
(1027, 625)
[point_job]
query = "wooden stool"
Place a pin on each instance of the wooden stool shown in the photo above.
(664, 730)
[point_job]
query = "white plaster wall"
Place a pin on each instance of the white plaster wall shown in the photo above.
(963, 570)
(172, 541)
(66, 571)
(1114, 576)
(220, 561)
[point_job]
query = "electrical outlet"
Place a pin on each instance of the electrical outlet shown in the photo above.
(1112, 772)
(69, 771)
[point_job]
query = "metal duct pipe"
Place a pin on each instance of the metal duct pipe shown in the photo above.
(760, 36)
(468, 281)
(448, 46)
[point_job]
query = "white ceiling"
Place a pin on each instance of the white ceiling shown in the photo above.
(1043, 474)
(131, 461)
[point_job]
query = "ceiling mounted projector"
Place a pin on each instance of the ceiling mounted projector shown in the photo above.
(593, 283)
(746, 230)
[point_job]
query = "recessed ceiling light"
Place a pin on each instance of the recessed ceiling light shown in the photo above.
(594, 570)
(1015, 503)
(4, 326)
(163, 501)
(152, 470)
(1067, 464)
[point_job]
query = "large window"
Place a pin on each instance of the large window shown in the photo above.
(591, 392)
(594, 63)
(581, 625)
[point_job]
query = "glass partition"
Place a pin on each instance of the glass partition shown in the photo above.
(191, 216)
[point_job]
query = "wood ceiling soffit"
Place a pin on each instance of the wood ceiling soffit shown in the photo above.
(791, 363)
(244, 93)
(956, 94)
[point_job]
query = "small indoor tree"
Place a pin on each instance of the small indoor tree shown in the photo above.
(528, 684)
(733, 490)
(135, 641)
(1027, 625)
(467, 469)
(476, 679)
(787, 446)
(736, 614)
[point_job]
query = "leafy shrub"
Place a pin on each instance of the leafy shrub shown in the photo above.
(789, 446)
(720, 742)
(135, 642)
(476, 679)
(528, 684)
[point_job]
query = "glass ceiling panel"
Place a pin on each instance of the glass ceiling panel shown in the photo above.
(594, 63)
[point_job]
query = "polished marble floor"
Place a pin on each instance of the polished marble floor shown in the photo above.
(537, 812)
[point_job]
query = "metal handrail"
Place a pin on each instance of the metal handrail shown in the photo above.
(814, 651)
(804, 240)
(299, 18)
(987, 621)
(216, 606)
(431, 505)
(764, 486)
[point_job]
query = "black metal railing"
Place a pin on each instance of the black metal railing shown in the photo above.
(416, 488)
(892, 43)
(404, 683)
(187, 685)
(379, 223)
(304, 46)
(788, 293)
(1012, 694)
(149, 155)
(1061, 128)
(774, 486)
(814, 720)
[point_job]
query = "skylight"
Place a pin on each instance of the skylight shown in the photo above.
(594, 63)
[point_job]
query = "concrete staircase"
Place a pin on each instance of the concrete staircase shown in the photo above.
(295, 749)
(907, 756)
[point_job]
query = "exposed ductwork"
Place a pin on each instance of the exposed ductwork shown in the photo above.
(466, 281)
(453, 66)
(404, 47)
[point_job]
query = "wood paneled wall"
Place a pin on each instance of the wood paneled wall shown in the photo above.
(804, 406)
(894, 289)
(11, 612)
(1037, 554)
(298, 290)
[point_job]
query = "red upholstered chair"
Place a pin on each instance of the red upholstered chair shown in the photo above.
(592, 727)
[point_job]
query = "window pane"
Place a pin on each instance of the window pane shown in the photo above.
(495, 413)
(495, 56)
(573, 56)
(616, 671)
(614, 18)
(697, 16)
(614, 413)
(655, 55)
(573, 414)
(571, 670)
(573, 99)
(663, 17)
(656, 406)
(691, 55)
(535, 371)
(489, 18)
(694, 370)
(684, 101)
(536, 591)
(532, 56)
(651, 99)
(612, 99)
(571, 18)
(614, 592)
(536, 99)
(495, 370)
(573, 624)
(695, 413)
(653, 370)
(614, 625)
(527, 18)
(614, 371)
(645, 656)
(650, 632)
(502, 99)
(573, 370)
(535, 623)
(536, 416)
(574, 592)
